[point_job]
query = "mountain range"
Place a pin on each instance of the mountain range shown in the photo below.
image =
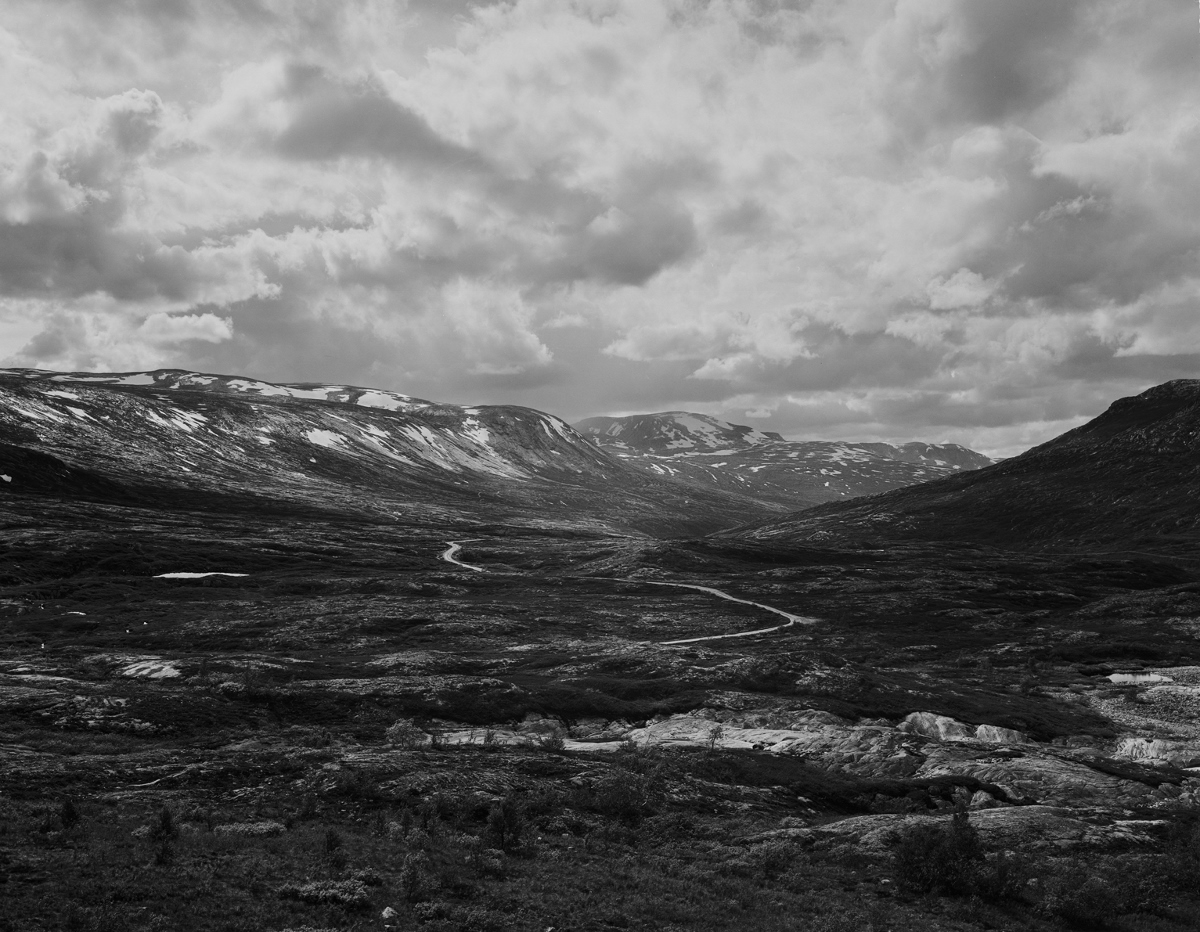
(709, 453)
(1126, 480)
(184, 439)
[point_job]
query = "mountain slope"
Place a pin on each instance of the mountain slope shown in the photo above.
(175, 438)
(1126, 480)
(709, 453)
(672, 432)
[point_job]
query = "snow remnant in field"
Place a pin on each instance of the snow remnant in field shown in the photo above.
(152, 669)
(195, 575)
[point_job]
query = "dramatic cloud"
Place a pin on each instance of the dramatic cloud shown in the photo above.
(933, 219)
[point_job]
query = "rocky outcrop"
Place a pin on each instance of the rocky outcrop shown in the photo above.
(944, 728)
(1024, 828)
(1158, 751)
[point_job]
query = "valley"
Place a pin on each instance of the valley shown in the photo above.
(562, 699)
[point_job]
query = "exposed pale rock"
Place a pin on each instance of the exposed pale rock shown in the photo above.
(1159, 750)
(982, 800)
(994, 734)
(1013, 827)
(937, 727)
(870, 750)
(944, 728)
(1038, 774)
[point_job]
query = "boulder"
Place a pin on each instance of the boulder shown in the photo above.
(937, 727)
(994, 734)
(1158, 750)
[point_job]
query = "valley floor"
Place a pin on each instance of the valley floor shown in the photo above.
(543, 729)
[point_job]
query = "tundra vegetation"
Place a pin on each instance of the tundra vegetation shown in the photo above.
(353, 733)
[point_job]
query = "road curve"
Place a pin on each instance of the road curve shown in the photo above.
(449, 555)
(791, 619)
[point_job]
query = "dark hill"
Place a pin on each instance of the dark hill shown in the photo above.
(1128, 480)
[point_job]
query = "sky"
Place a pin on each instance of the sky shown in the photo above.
(941, 220)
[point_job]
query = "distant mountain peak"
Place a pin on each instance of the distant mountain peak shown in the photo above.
(708, 452)
(187, 380)
(671, 432)
(176, 439)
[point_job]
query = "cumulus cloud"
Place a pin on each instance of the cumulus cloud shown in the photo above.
(924, 218)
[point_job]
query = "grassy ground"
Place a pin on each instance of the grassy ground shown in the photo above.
(289, 677)
(478, 838)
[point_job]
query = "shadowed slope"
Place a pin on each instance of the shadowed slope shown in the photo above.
(1126, 480)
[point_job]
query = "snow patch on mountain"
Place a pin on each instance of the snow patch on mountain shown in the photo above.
(329, 439)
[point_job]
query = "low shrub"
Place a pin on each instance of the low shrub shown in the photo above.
(950, 860)
(351, 894)
(623, 795)
(68, 815)
(251, 829)
(162, 827)
(506, 824)
(1081, 895)
(405, 734)
(417, 879)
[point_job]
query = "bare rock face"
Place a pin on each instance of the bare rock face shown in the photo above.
(1159, 751)
(994, 734)
(944, 728)
(1023, 828)
(937, 727)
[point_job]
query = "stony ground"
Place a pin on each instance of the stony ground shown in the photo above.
(356, 726)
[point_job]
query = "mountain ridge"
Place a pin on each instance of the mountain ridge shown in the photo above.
(707, 452)
(1125, 479)
(196, 436)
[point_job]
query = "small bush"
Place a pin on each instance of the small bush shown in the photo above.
(772, 858)
(162, 827)
(251, 829)
(417, 880)
(554, 742)
(933, 858)
(68, 815)
(506, 824)
(351, 894)
(404, 734)
(623, 795)
(1081, 896)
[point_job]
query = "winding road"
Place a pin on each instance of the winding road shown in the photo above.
(450, 556)
(791, 619)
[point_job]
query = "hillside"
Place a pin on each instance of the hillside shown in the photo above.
(1126, 480)
(709, 453)
(180, 439)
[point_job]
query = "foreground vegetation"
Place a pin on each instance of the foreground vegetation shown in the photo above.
(486, 837)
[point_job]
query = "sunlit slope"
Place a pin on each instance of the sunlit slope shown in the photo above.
(180, 439)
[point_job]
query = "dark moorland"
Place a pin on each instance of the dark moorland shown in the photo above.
(439, 695)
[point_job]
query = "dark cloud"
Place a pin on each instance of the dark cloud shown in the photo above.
(333, 121)
(1072, 244)
(970, 63)
(624, 247)
(70, 238)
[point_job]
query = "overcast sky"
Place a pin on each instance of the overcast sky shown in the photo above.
(963, 220)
